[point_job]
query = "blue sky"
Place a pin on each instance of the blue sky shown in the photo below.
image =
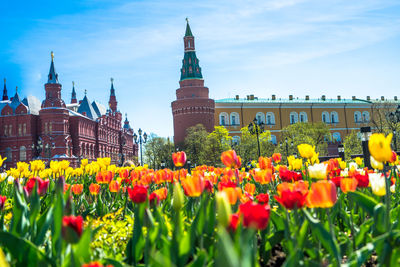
(264, 47)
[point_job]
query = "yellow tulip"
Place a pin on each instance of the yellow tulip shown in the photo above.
(295, 164)
(84, 162)
(306, 151)
(315, 158)
(379, 147)
(318, 171)
(377, 181)
(359, 161)
(376, 164)
(2, 160)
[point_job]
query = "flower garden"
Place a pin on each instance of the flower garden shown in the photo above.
(304, 214)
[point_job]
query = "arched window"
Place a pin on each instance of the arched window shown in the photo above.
(22, 153)
(325, 117)
(334, 117)
(303, 117)
(336, 137)
(260, 117)
(235, 118)
(294, 117)
(273, 139)
(270, 118)
(8, 154)
(365, 116)
(223, 119)
(357, 117)
(328, 138)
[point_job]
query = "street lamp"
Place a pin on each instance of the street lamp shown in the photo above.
(394, 119)
(256, 127)
(365, 134)
(287, 146)
(37, 148)
(189, 166)
(140, 140)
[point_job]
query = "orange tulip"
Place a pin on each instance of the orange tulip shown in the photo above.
(263, 176)
(193, 186)
(265, 163)
(301, 186)
(322, 195)
(277, 157)
(233, 194)
(348, 184)
(77, 189)
(179, 158)
(114, 186)
(250, 188)
(292, 195)
(94, 189)
(230, 159)
(104, 177)
(161, 193)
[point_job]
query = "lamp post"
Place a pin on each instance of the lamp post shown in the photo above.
(37, 148)
(341, 151)
(189, 166)
(287, 146)
(256, 127)
(393, 119)
(365, 134)
(141, 139)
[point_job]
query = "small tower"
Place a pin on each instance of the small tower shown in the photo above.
(192, 105)
(126, 123)
(73, 95)
(5, 96)
(53, 88)
(113, 101)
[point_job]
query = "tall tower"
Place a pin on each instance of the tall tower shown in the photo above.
(54, 118)
(73, 95)
(5, 96)
(113, 101)
(192, 105)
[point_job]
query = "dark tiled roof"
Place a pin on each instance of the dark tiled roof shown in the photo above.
(85, 108)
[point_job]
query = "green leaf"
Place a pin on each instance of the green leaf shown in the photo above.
(43, 225)
(380, 218)
(366, 202)
(200, 259)
(227, 255)
(362, 255)
(24, 252)
(323, 235)
(277, 220)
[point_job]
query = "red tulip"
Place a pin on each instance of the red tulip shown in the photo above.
(2, 202)
(255, 215)
(277, 157)
(77, 189)
(154, 198)
(41, 185)
(94, 189)
(72, 228)
(292, 196)
(138, 194)
(262, 198)
(179, 158)
(363, 180)
(336, 180)
(234, 222)
(322, 195)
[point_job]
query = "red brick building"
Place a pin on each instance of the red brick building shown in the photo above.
(54, 130)
(192, 105)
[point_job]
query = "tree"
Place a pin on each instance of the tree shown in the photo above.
(158, 150)
(381, 121)
(217, 142)
(304, 133)
(352, 145)
(248, 147)
(195, 144)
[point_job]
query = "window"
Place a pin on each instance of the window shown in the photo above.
(357, 116)
(24, 130)
(293, 117)
(5, 130)
(45, 127)
(19, 129)
(365, 116)
(223, 119)
(336, 137)
(325, 117)
(334, 117)
(273, 139)
(10, 130)
(47, 151)
(8, 154)
(50, 127)
(260, 117)
(303, 116)
(234, 118)
(270, 118)
(22, 153)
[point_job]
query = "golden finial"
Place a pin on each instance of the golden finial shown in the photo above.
(52, 56)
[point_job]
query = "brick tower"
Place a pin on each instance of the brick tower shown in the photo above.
(192, 105)
(54, 119)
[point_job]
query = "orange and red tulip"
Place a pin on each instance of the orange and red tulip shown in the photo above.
(348, 184)
(113, 186)
(104, 177)
(250, 188)
(193, 186)
(322, 195)
(230, 159)
(94, 189)
(179, 158)
(277, 157)
(265, 163)
(77, 189)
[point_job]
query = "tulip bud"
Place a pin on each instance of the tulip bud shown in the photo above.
(223, 208)
(177, 198)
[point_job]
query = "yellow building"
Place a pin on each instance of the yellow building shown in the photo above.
(341, 115)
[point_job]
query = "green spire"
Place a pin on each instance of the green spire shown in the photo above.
(188, 32)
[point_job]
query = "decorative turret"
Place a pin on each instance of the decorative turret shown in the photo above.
(126, 123)
(53, 88)
(53, 76)
(113, 101)
(5, 96)
(190, 63)
(73, 95)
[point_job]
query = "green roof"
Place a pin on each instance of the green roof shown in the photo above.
(295, 101)
(188, 32)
